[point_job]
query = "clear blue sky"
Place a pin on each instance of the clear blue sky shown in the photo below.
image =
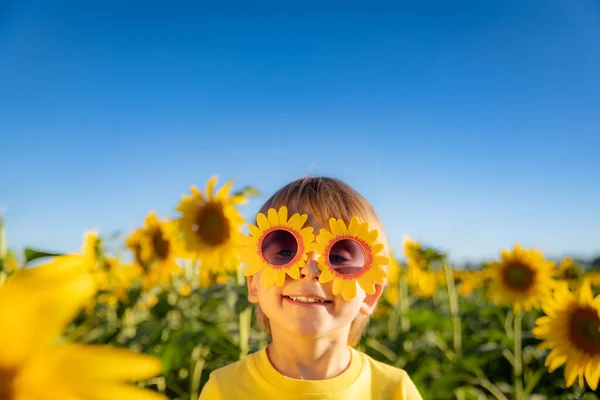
(469, 125)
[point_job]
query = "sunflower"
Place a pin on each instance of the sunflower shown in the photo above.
(266, 224)
(371, 273)
(156, 249)
(422, 282)
(35, 306)
(523, 279)
(571, 330)
(469, 281)
(569, 272)
(211, 226)
(414, 253)
(93, 248)
(392, 291)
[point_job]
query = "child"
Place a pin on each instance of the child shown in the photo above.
(313, 318)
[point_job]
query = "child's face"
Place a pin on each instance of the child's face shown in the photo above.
(309, 320)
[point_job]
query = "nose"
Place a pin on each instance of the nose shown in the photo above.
(310, 269)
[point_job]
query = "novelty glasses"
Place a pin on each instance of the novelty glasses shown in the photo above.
(347, 255)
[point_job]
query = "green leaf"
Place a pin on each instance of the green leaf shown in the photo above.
(248, 191)
(32, 254)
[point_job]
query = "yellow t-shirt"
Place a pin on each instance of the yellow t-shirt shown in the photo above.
(254, 377)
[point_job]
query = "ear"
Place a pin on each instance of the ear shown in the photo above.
(252, 282)
(368, 305)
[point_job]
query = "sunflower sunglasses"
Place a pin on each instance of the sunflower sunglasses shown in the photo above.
(347, 254)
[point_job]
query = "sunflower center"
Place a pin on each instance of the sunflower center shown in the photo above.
(584, 330)
(160, 245)
(570, 273)
(7, 377)
(518, 276)
(212, 225)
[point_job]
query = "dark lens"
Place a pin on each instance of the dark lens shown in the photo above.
(279, 247)
(347, 257)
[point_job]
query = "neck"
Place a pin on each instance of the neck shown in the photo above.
(309, 359)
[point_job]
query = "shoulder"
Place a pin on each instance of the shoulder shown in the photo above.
(396, 380)
(235, 370)
(219, 382)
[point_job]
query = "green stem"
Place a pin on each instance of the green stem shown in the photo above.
(454, 310)
(392, 325)
(518, 367)
(198, 360)
(244, 320)
(404, 302)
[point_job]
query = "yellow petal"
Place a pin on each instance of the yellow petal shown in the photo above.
(273, 217)
(223, 193)
(301, 221)
(100, 363)
(363, 231)
(326, 275)
(337, 286)
(570, 373)
(293, 221)
(263, 222)
(121, 392)
(366, 284)
(353, 227)
(33, 316)
(589, 375)
(377, 248)
(333, 226)
(294, 271)
(342, 227)
(381, 260)
(372, 236)
(279, 277)
(348, 289)
(585, 293)
(210, 187)
(254, 231)
(283, 214)
(268, 278)
(253, 269)
(555, 359)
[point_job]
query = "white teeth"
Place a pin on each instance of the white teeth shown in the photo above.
(306, 299)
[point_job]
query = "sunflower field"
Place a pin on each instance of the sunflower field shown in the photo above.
(150, 314)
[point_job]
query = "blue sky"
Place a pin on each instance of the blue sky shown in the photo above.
(469, 125)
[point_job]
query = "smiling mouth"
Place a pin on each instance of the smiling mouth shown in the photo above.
(307, 300)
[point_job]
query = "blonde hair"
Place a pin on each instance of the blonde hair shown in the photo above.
(324, 198)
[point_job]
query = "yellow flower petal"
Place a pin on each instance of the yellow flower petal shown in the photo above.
(254, 231)
(279, 277)
(253, 269)
(223, 192)
(570, 373)
(210, 185)
(342, 227)
(283, 214)
(353, 227)
(263, 222)
(349, 289)
(121, 392)
(326, 275)
(372, 236)
(41, 315)
(273, 217)
(294, 272)
(102, 363)
(366, 284)
(337, 286)
(268, 278)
